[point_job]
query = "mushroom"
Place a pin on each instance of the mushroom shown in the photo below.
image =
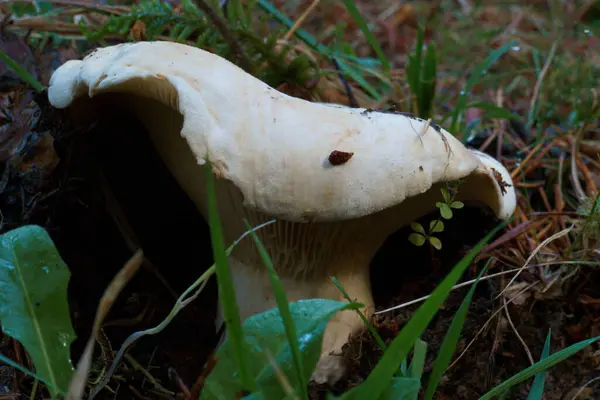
(338, 180)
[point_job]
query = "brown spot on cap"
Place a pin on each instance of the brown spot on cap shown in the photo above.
(339, 157)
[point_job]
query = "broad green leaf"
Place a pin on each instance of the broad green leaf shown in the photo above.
(537, 388)
(539, 366)
(383, 372)
(33, 302)
(450, 340)
(264, 334)
(417, 227)
(416, 239)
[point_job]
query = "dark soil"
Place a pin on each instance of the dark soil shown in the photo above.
(112, 159)
(497, 354)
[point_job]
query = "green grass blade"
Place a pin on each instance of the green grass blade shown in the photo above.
(493, 111)
(428, 82)
(477, 74)
(418, 361)
(284, 311)
(451, 339)
(378, 338)
(362, 24)
(414, 69)
(231, 313)
(26, 76)
(537, 387)
(548, 362)
(384, 370)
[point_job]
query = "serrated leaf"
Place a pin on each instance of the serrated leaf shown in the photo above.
(416, 239)
(265, 333)
(417, 227)
(445, 210)
(435, 242)
(33, 303)
(457, 204)
(436, 226)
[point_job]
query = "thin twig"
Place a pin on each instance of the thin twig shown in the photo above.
(458, 286)
(512, 325)
(540, 79)
(300, 20)
(221, 25)
(489, 320)
(534, 253)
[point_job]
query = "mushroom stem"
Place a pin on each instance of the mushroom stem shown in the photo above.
(306, 256)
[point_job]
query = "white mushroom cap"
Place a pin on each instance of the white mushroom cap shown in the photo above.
(271, 146)
(354, 175)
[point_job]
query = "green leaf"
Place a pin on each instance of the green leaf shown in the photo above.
(231, 313)
(537, 387)
(416, 239)
(538, 367)
(417, 227)
(264, 334)
(286, 315)
(451, 339)
(379, 378)
(445, 210)
(457, 204)
(33, 302)
(436, 226)
(446, 195)
(435, 242)
(418, 360)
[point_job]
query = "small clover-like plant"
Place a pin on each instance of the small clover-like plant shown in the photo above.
(420, 236)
